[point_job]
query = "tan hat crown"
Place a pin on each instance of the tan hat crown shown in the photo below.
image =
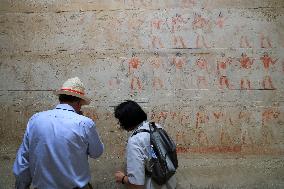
(74, 87)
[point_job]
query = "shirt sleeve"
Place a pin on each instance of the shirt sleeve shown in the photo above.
(135, 163)
(21, 167)
(95, 146)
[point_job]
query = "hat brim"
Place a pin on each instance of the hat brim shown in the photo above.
(86, 100)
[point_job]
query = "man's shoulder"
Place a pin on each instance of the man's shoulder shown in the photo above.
(38, 115)
(85, 120)
(78, 117)
(42, 113)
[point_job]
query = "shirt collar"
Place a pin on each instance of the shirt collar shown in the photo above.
(142, 125)
(65, 107)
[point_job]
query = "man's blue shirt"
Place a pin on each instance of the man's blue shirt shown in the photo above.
(55, 149)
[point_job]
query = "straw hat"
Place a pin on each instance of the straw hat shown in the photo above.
(74, 87)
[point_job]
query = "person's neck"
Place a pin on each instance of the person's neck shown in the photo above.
(137, 126)
(73, 105)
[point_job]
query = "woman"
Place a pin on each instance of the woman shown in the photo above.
(132, 118)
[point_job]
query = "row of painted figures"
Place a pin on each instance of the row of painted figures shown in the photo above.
(202, 71)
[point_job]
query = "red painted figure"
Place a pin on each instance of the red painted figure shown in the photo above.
(218, 115)
(156, 26)
(178, 61)
(224, 82)
(179, 40)
(245, 61)
(269, 114)
(222, 66)
(157, 23)
(264, 38)
(267, 61)
(134, 64)
(245, 84)
(267, 82)
(200, 42)
(177, 24)
(157, 40)
(201, 117)
(220, 21)
(244, 43)
(202, 64)
(199, 22)
(157, 66)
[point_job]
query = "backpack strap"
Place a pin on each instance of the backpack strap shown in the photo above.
(152, 124)
(140, 131)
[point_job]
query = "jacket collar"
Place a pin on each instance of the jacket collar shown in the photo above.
(143, 125)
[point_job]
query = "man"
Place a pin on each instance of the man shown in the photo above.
(57, 143)
(132, 118)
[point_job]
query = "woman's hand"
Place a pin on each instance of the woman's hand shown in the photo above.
(118, 176)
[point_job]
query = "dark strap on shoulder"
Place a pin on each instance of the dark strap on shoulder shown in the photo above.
(140, 131)
(152, 127)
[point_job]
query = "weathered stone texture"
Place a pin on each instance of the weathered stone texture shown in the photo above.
(210, 71)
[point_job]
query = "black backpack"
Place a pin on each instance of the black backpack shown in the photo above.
(163, 162)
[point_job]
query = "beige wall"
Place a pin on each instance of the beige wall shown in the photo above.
(211, 71)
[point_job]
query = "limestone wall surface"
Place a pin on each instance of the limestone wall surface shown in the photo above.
(210, 71)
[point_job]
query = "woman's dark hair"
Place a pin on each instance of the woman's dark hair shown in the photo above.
(68, 98)
(129, 114)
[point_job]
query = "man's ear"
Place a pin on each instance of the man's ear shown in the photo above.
(79, 103)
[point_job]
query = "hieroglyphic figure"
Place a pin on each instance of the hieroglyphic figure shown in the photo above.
(246, 61)
(158, 71)
(267, 82)
(267, 63)
(220, 20)
(114, 82)
(268, 115)
(178, 64)
(244, 42)
(202, 121)
(222, 66)
(202, 72)
(201, 26)
(246, 65)
(156, 27)
(133, 70)
(223, 122)
(177, 23)
(265, 41)
(178, 61)
(244, 119)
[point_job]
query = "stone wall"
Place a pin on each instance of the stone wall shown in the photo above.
(210, 71)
